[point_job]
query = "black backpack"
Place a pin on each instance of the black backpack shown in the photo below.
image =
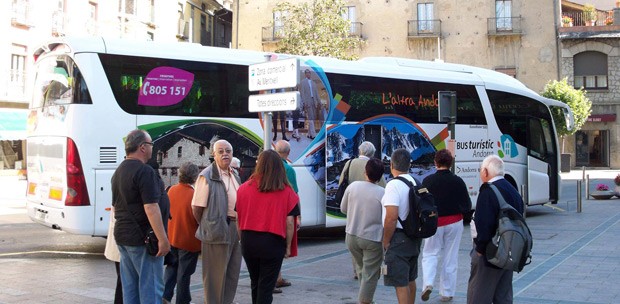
(421, 222)
(511, 247)
(343, 186)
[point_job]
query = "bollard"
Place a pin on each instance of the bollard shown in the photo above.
(578, 196)
(583, 172)
(588, 186)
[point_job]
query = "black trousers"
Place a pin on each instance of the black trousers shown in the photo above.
(274, 120)
(118, 294)
(263, 253)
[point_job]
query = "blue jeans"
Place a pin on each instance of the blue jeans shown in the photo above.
(179, 272)
(142, 276)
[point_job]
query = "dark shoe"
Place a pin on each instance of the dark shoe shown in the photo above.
(426, 293)
(274, 138)
(284, 137)
(277, 290)
(283, 283)
(355, 277)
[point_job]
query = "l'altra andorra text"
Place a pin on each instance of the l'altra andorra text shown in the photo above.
(398, 100)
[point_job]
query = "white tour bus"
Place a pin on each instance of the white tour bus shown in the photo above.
(89, 93)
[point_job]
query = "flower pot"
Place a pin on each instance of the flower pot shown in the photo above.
(599, 195)
(591, 23)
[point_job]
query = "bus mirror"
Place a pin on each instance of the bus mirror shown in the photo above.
(569, 119)
(447, 106)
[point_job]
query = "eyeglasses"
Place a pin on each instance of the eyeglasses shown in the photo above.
(147, 143)
(222, 151)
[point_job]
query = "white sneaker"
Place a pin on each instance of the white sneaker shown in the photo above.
(445, 299)
(426, 293)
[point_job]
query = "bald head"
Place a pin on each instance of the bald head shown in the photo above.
(283, 148)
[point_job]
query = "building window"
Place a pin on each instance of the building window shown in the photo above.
(173, 171)
(349, 14)
(18, 70)
(201, 150)
(503, 13)
(278, 23)
(165, 154)
(590, 70)
(164, 171)
(127, 7)
(512, 72)
(92, 18)
(180, 152)
(425, 17)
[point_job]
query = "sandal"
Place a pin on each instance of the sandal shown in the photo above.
(282, 283)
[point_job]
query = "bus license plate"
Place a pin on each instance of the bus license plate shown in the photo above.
(40, 215)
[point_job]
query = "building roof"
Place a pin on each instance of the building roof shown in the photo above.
(601, 5)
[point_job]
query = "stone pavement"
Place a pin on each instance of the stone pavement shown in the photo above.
(576, 259)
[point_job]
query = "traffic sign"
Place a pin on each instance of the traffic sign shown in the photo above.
(279, 74)
(287, 101)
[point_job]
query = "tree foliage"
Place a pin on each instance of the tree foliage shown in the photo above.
(575, 98)
(316, 28)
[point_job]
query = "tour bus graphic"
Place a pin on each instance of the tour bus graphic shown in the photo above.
(507, 147)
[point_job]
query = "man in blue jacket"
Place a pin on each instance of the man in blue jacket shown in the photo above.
(487, 283)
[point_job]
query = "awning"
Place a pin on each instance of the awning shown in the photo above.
(13, 124)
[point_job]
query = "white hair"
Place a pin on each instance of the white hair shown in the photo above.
(235, 163)
(494, 165)
(367, 149)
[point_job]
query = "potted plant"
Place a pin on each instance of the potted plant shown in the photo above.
(609, 20)
(589, 14)
(567, 21)
(617, 182)
(602, 192)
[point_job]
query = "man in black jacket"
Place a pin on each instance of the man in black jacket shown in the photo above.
(487, 283)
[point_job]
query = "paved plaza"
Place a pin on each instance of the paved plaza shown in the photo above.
(576, 259)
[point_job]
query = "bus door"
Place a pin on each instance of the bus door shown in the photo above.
(542, 166)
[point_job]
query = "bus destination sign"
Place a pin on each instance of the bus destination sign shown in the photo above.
(279, 74)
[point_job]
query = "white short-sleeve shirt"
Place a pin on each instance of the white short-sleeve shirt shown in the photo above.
(397, 194)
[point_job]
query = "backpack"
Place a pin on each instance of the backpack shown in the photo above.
(421, 222)
(343, 186)
(511, 247)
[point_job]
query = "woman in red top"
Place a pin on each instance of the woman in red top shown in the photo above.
(266, 208)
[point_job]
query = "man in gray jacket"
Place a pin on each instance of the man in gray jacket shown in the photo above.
(213, 206)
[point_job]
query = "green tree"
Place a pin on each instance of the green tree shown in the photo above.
(576, 99)
(316, 28)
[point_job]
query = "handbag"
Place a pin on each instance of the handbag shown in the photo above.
(343, 186)
(151, 243)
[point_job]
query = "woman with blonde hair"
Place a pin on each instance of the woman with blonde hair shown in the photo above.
(266, 209)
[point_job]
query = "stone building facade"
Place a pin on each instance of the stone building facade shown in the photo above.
(597, 144)
(528, 42)
(507, 36)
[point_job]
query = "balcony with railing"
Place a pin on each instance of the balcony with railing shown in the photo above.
(504, 26)
(272, 33)
(13, 85)
(356, 29)
(577, 18)
(423, 28)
